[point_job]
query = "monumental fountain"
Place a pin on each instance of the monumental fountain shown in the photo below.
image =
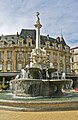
(36, 79)
(35, 88)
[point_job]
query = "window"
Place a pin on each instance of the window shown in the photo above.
(53, 45)
(47, 44)
(61, 69)
(29, 43)
(67, 59)
(61, 57)
(48, 55)
(61, 47)
(67, 70)
(9, 55)
(28, 55)
(0, 67)
(55, 56)
(20, 55)
(67, 48)
(9, 44)
(2, 44)
(72, 59)
(8, 67)
(19, 66)
(1, 55)
(20, 43)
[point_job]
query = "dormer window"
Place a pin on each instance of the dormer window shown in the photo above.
(47, 44)
(67, 48)
(20, 42)
(12, 37)
(9, 43)
(53, 45)
(29, 42)
(60, 46)
(1, 43)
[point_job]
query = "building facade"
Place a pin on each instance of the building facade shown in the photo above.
(15, 53)
(74, 60)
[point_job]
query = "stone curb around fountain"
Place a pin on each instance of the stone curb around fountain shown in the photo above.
(38, 105)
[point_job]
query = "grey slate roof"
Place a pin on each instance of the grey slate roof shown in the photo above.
(26, 33)
(32, 34)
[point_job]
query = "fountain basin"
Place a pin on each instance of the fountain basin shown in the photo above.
(37, 87)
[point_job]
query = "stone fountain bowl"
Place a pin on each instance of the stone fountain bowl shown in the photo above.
(51, 70)
(38, 87)
(56, 85)
(34, 72)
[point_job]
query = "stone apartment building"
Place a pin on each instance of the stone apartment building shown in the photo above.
(74, 60)
(15, 53)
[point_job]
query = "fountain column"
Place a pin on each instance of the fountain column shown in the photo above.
(38, 26)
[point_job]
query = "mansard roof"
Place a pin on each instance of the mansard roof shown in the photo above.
(44, 39)
(6, 38)
(31, 33)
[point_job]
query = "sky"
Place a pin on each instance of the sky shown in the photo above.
(55, 16)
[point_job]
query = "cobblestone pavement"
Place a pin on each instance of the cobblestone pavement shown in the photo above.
(57, 115)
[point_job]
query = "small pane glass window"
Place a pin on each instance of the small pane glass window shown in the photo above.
(0, 66)
(8, 67)
(1, 55)
(20, 55)
(19, 66)
(9, 54)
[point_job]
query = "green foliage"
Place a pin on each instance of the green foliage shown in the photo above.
(3, 87)
(0, 87)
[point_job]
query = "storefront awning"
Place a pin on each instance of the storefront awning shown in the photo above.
(9, 74)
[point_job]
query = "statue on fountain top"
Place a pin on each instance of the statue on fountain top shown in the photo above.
(37, 14)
